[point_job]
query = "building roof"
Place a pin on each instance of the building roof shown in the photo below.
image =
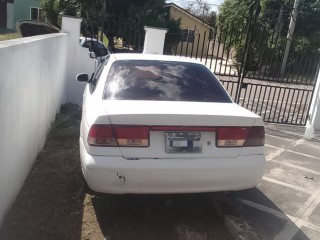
(188, 13)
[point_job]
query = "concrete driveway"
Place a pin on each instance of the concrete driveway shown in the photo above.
(286, 203)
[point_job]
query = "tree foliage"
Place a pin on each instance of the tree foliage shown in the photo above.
(198, 8)
(54, 9)
(307, 30)
(131, 13)
(201, 9)
(234, 11)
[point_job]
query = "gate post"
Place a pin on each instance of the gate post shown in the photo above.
(154, 40)
(313, 122)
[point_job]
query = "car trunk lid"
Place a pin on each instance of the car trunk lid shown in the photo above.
(177, 125)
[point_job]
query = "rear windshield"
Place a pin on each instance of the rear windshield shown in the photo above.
(163, 81)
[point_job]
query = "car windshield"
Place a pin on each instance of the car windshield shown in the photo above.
(163, 81)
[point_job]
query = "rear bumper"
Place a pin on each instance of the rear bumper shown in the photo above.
(118, 175)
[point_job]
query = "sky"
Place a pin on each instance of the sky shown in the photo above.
(183, 3)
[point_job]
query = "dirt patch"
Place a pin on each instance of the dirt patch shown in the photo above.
(53, 205)
(49, 206)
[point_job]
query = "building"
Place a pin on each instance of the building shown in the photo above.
(197, 35)
(12, 11)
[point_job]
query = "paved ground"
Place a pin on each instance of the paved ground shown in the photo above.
(286, 204)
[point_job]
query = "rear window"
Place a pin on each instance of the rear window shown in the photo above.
(163, 81)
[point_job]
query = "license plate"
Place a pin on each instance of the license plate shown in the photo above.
(183, 142)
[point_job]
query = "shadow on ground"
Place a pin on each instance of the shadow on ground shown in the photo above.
(184, 216)
(50, 204)
(257, 217)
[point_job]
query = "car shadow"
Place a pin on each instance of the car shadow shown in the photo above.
(183, 216)
(263, 216)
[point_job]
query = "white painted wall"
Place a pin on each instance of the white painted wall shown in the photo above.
(37, 75)
(314, 121)
(77, 58)
(10, 16)
(32, 88)
(154, 40)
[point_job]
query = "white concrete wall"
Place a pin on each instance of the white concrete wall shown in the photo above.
(315, 107)
(37, 75)
(314, 120)
(32, 88)
(154, 40)
(78, 60)
(10, 15)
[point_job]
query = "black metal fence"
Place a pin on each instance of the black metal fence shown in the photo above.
(275, 102)
(252, 64)
(221, 49)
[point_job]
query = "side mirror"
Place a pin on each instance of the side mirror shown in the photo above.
(82, 77)
(92, 55)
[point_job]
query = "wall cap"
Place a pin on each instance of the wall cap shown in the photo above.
(156, 28)
(24, 40)
(77, 19)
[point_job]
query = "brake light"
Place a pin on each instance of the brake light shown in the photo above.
(108, 135)
(132, 136)
(231, 137)
(256, 137)
(138, 136)
(240, 136)
(101, 135)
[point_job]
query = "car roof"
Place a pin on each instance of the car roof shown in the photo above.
(157, 57)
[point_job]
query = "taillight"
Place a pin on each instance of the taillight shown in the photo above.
(138, 136)
(127, 136)
(132, 136)
(231, 137)
(101, 135)
(240, 137)
(256, 137)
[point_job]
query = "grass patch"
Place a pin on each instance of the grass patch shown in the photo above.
(8, 36)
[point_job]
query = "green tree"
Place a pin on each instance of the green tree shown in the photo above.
(272, 26)
(201, 9)
(234, 11)
(132, 13)
(235, 17)
(54, 9)
(307, 28)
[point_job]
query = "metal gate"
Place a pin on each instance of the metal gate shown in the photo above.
(247, 58)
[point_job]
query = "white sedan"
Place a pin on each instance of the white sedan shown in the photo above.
(164, 124)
